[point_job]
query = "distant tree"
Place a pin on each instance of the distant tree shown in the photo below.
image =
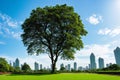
(55, 30)
(4, 66)
(11, 69)
(114, 67)
(62, 69)
(17, 69)
(26, 67)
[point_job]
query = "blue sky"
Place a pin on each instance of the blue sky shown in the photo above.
(101, 18)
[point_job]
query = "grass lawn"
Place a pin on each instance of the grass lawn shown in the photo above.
(62, 76)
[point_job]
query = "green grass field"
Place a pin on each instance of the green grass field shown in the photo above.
(63, 76)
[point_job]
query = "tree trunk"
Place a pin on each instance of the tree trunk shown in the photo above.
(53, 67)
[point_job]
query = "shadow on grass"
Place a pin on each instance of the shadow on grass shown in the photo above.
(30, 74)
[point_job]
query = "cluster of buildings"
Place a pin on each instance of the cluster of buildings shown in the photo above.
(91, 66)
(16, 63)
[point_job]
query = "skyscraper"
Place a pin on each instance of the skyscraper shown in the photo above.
(101, 63)
(40, 66)
(117, 55)
(16, 63)
(36, 65)
(69, 69)
(75, 66)
(92, 61)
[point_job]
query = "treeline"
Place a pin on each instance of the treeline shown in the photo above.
(5, 67)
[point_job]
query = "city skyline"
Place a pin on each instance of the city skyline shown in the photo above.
(100, 18)
(92, 65)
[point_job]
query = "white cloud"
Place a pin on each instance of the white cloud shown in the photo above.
(9, 27)
(95, 19)
(16, 35)
(2, 43)
(115, 31)
(7, 20)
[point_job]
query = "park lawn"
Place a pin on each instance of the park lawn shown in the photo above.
(62, 76)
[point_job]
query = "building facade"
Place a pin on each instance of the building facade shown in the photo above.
(36, 65)
(101, 63)
(75, 66)
(117, 55)
(92, 61)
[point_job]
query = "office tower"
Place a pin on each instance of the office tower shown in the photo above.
(101, 63)
(80, 68)
(36, 65)
(40, 66)
(92, 61)
(75, 66)
(117, 55)
(86, 68)
(14, 64)
(89, 66)
(69, 69)
(17, 63)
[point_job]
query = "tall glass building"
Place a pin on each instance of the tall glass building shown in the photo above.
(36, 65)
(75, 66)
(117, 55)
(92, 61)
(17, 63)
(69, 69)
(101, 63)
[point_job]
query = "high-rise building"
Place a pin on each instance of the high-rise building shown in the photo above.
(14, 64)
(36, 65)
(75, 66)
(40, 66)
(101, 63)
(117, 55)
(109, 64)
(69, 69)
(17, 63)
(92, 61)
(89, 66)
(80, 68)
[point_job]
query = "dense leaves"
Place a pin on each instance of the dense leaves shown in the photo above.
(54, 30)
(4, 66)
(26, 67)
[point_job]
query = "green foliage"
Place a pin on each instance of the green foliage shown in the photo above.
(112, 67)
(62, 69)
(4, 66)
(55, 30)
(26, 67)
(17, 69)
(11, 69)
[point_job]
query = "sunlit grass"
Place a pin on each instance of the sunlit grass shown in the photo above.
(62, 76)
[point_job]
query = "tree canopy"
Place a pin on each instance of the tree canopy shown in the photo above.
(54, 30)
(25, 67)
(4, 66)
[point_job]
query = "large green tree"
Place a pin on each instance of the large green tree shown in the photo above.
(54, 30)
(4, 66)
